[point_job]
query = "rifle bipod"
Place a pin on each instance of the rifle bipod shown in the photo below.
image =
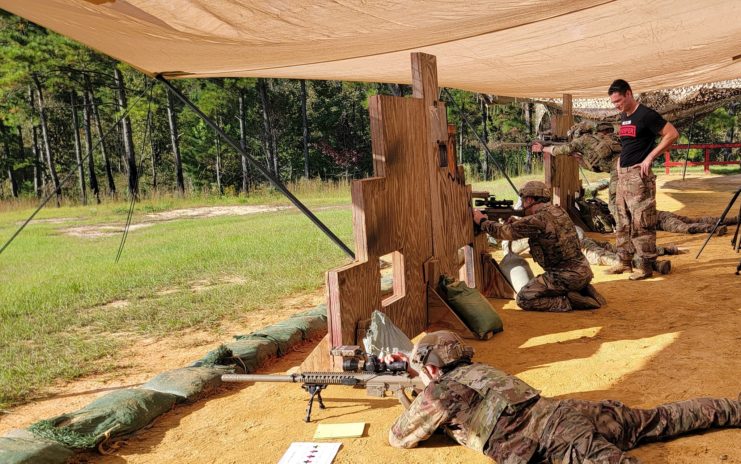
(315, 391)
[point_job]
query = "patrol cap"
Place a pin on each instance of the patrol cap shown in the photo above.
(439, 349)
(534, 188)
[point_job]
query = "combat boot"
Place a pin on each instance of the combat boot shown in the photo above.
(619, 268)
(579, 301)
(592, 292)
(644, 271)
(662, 266)
(672, 249)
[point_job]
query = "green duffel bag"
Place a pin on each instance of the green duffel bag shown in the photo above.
(471, 306)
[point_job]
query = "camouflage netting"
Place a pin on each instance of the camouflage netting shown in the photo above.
(677, 105)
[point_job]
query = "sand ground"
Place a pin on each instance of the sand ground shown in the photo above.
(665, 339)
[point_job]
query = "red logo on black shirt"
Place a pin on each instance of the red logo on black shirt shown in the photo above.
(628, 131)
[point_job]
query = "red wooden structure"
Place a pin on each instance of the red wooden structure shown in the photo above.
(668, 163)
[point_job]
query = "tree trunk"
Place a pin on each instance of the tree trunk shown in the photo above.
(103, 151)
(218, 162)
(485, 137)
(172, 118)
(47, 143)
(155, 158)
(243, 142)
(305, 123)
(94, 187)
(272, 164)
(126, 134)
(78, 146)
(38, 176)
(8, 162)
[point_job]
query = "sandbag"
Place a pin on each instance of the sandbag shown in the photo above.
(285, 334)
(22, 447)
(187, 383)
(311, 327)
(383, 337)
(517, 270)
(117, 413)
(473, 309)
(319, 310)
(252, 352)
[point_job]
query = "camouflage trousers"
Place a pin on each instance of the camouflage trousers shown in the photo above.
(600, 432)
(605, 253)
(636, 215)
(547, 292)
(612, 192)
(671, 222)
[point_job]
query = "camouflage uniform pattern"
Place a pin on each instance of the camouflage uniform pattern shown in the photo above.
(554, 245)
(636, 216)
(671, 222)
(532, 429)
(605, 253)
(600, 153)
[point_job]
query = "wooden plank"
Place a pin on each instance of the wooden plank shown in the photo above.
(442, 317)
(495, 284)
(319, 360)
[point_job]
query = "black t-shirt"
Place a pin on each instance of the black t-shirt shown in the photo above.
(638, 134)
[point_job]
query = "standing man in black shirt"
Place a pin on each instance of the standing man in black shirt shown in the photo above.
(636, 190)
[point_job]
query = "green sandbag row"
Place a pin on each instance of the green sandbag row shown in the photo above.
(187, 383)
(118, 413)
(22, 447)
(473, 309)
(251, 351)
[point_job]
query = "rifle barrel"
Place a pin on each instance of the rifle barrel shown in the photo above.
(259, 378)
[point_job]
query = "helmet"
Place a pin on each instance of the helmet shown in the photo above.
(605, 126)
(534, 188)
(440, 349)
(581, 128)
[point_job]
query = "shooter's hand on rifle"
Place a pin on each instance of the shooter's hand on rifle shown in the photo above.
(395, 357)
(479, 217)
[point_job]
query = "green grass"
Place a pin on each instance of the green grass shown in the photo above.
(55, 324)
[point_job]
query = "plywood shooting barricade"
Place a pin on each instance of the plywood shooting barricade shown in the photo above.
(416, 209)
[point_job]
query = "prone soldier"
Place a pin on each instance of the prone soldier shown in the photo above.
(506, 419)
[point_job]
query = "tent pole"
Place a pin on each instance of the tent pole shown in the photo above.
(689, 142)
(274, 180)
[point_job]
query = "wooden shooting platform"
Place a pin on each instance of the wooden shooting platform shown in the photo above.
(415, 210)
(563, 179)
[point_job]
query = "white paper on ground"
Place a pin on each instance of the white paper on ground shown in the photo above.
(310, 453)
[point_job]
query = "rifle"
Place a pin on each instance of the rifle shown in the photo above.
(374, 375)
(495, 209)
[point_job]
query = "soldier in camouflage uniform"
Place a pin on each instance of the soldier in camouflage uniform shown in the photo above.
(605, 254)
(554, 245)
(598, 148)
(671, 222)
(504, 418)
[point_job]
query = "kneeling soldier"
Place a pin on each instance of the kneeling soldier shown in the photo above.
(554, 245)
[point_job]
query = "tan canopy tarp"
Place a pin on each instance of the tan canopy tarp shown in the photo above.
(508, 47)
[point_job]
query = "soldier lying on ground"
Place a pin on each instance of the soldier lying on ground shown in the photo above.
(506, 419)
(671, 222)
(554, 245)
(605, 253)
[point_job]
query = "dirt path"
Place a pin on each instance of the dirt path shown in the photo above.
(666, 339)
